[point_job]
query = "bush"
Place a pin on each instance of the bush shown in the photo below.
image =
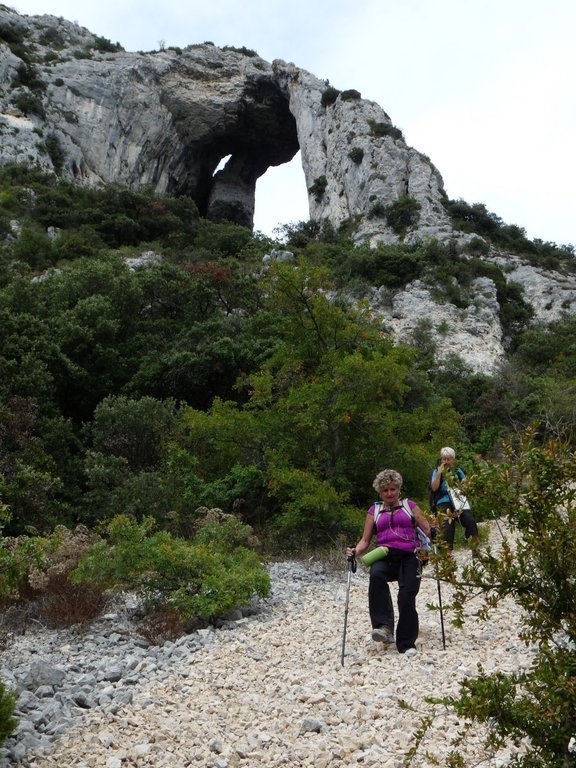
(7, 705)
(55, 151)
(37, 569)
(243, 50)
(350, 95)
(106, 46)
(29, 104)
(329, 96)
(384, 129)
(318, 187)
(203, 578)
(403, 213)
(356, 154)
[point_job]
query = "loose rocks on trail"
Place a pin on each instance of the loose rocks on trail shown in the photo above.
(264, 691)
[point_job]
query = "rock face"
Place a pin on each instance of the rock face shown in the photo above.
(167, 119)
(73, 103)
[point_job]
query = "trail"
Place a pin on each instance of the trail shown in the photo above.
(272, 692)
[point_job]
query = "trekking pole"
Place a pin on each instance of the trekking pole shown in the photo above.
(351, 570)
(497, 523)
(440, 602)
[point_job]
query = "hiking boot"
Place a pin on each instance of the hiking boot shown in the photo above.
(383, 635)
(410, 652)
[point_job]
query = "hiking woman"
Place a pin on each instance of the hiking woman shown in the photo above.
(445, 479)
(395, 529)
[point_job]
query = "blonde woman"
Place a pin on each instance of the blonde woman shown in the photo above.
(446, 477)
(395, 528)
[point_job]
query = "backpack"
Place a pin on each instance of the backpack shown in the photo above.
(421, 552)
(434, 496)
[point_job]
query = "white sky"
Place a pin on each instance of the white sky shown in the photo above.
(485, 88)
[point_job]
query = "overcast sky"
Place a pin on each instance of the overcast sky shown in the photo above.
(485, 89)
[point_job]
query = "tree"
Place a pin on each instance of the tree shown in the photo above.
(332, 405)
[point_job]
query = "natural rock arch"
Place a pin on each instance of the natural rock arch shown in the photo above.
(165, 119)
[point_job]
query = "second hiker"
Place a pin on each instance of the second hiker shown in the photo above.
(448, 502)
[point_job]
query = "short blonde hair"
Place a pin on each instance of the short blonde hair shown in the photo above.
(447, 453)
(387, 477)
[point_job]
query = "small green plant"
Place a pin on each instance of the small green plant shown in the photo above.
(7, 720)
(377, 211)
(478, 246)
(29, 104)
(329, 96)
(318, 187)
(403, 213)
(243, 50)
(204, 578)
(36, 569)
(384, 129)
(356, 154)
(52, 37)
(85, 53)
(27, 76)
(350, 95)
(55, 151)
(106, 46)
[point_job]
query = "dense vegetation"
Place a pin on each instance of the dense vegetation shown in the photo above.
(204, 380)
(154, 370)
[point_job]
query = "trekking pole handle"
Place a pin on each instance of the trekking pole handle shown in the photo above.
(352, 563)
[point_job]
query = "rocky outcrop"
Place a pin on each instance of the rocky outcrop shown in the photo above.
(71, 103)
(167, 119)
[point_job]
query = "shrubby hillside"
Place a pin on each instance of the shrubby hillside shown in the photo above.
(154, 363)
(177, 402)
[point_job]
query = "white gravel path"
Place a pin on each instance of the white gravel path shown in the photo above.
(272, 692)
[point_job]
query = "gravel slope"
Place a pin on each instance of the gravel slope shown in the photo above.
(270, 690)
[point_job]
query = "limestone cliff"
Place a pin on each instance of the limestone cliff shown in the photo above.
(75, 104)
(166, 119)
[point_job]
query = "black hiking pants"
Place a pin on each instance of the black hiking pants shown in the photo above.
(406, 569)
(466, 520)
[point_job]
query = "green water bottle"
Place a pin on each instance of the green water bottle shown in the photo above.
(375, 554)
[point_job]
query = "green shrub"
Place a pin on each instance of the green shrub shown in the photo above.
(531, 712)
(34, 248)
(12, 34)
(384, 129)
(329, 96)
(318, 187)
(106, 46)
(7, 706)
(37, 568)
(203, 578)
(356, 154)
(29, 104)
(55, 151)
(478, 246)
(350, 95)
(27, 76)
(403, 213)
(243, 50)
(34, 568)
(377, 211)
